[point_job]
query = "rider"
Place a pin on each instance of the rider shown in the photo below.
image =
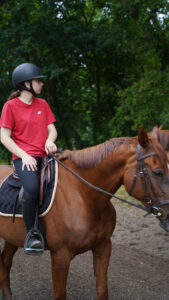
(27, 130)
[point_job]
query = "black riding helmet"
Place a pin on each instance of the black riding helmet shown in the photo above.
(25, 72)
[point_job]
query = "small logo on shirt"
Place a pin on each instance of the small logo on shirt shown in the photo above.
(39, 112)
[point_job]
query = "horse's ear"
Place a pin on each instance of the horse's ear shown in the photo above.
(143, 137)
(155, 133)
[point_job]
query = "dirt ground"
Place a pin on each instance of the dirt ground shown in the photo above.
(139, 265)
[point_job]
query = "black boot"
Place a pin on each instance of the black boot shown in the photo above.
(34, 243)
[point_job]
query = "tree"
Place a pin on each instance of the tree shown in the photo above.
(106, 62)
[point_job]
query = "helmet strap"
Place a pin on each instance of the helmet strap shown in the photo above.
(22, 87)
(31, 88)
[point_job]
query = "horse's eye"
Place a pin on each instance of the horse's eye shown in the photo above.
(158, 172)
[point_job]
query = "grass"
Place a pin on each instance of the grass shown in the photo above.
(121, 192)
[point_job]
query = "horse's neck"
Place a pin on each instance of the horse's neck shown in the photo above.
(108, 174)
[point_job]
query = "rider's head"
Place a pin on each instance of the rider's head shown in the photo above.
(26, 72)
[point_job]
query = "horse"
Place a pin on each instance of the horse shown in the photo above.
(82, 218)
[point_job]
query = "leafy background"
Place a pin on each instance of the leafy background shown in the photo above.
(106, 62)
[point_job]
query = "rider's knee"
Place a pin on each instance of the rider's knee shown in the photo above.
(29, 197)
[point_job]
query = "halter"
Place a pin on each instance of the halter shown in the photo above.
(155, 209)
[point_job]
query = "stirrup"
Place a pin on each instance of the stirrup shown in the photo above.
(34, 251)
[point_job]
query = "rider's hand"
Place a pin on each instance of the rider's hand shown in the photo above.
(50, 147)
(30, 162)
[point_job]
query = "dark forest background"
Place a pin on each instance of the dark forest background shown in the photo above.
(107, 63)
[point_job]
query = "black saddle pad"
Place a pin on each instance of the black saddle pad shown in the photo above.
(9, 192)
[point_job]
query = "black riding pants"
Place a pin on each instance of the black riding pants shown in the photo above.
(31, 185)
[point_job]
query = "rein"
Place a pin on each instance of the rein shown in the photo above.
(142, 170)
(97, 188)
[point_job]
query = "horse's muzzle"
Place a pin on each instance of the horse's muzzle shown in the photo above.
(163, 215)
(159, 212)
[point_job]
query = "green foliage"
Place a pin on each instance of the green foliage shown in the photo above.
(106, 63)
(143, 103)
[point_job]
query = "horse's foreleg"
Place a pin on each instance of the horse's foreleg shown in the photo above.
(101, 257)
(60, 268)
(5, 265)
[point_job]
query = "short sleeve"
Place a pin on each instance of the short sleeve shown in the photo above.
(49, 115)
(7, 118)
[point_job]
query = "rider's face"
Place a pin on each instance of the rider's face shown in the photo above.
(37, 85)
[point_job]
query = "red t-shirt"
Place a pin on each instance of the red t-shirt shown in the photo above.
(28, 124)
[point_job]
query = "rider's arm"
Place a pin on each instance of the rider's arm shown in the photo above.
(52, 135)
(52, 132)
(8, 142)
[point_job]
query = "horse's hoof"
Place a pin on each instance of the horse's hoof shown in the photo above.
(3, 297)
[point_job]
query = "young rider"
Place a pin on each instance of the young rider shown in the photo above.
(27, 130)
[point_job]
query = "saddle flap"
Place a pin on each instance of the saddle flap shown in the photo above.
(46, 175)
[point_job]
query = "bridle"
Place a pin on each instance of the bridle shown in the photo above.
(155, 209)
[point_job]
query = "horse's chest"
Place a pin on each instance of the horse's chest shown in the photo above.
(81, 231)
(86, 240)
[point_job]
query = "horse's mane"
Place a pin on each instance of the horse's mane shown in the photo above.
(92, 156)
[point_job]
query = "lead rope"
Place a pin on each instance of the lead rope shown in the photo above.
(97, 188)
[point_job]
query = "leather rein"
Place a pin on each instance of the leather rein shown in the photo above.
(154, 209)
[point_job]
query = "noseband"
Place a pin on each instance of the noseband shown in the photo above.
(155, 209)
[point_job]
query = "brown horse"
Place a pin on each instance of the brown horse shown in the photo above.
(83, 219)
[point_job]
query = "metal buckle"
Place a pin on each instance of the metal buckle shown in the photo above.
(158, 212)
(155, 211)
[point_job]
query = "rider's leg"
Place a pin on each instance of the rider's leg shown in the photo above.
(30, 182)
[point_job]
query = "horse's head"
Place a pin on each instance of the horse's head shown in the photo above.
(146, 177)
